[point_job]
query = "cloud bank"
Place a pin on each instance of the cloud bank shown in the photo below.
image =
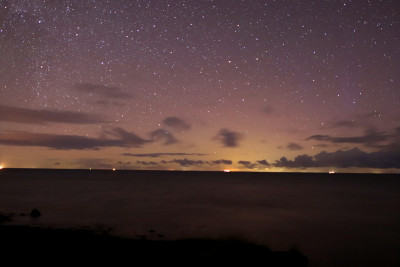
(121, 138)
(34, 116)
(345, 159)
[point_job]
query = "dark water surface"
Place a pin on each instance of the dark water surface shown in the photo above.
(335, 220)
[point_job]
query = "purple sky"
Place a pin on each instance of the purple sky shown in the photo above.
(200, 85)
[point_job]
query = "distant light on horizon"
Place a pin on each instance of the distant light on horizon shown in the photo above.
(227, 170)
(1, 167)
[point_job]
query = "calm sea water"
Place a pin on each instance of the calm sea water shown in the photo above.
(335, 220)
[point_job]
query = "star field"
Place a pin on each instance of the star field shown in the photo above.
(204, 85)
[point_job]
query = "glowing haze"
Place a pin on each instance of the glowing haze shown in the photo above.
(200, 85)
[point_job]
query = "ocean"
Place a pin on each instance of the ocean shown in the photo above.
(333, 219)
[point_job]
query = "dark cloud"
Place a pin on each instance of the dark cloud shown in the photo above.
(386, 158)
(247, 164)
(302, 161)
(101, 90)
(124, 163)
(176, 123)
(24, 115)
(344, 124)
(54, 141)
(129, 139)
(228, 138)
(161, 134)
(187, 162)
(156, 155)
(147, 163)
(251, 165)
(371, 138)
(263, 162)
(294, 146)
(68, 142)
(321, 145)
(57, 163)
(222, 161)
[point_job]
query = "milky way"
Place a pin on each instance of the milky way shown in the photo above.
(200, 85)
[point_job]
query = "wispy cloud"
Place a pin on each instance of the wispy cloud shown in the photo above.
(101, 90)
(345, 124)
(128, 138)
(156, 155)
(294, 146)
(121, 138)
(370, 138)
(187, 162)
(41, 116)
(166, 136)
(176, 123)
(147, 163)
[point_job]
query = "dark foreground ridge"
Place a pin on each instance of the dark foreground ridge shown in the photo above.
(58, 247)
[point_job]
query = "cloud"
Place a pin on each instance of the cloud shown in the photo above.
(222, 161)
(251, 165)
(34, 116)
(176, 123)
(124, 163)
(344, 124)
(54, 141)
(101, 90)
(263, 162)
(147, 163)
(69, 142)
(161, 134)
(156, 155)
(187, 162)
(385, 158)
(247, 164)
(129, 139)
(370, 138)
(301, 161)
(229, 138)
(294, 146)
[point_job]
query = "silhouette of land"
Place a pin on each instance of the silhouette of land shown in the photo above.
(46, 246)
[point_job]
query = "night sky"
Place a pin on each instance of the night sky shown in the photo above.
(200, 85)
